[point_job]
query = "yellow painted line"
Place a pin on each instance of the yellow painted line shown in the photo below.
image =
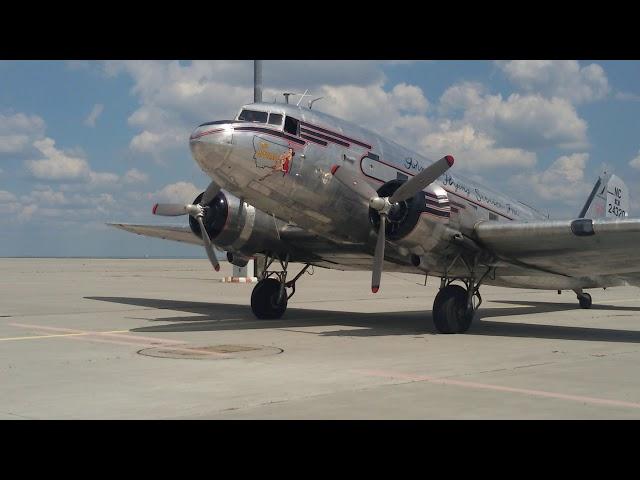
(37, 337)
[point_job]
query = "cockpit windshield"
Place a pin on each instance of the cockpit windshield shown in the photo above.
(253, 116)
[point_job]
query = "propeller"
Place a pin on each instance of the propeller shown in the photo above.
(383, 205)
(197, 212)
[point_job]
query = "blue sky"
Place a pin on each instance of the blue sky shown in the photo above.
(84, 143)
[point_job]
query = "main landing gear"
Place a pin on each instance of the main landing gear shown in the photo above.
(455, 306)
(583, 298)
(269, 297)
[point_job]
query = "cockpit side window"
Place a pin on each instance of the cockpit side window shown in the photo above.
(275, 119)
(253, 116)
(291, 125)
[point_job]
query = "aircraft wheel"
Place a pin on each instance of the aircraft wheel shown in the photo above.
(450, 312)
(264, 300)
(585, 300)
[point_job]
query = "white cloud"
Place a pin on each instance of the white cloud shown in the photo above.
(461, 96)
(45, 196)
(91, 119)
(558, 78)
(20, 121)
(69, 166)
(480, 129)
(473, 149)
(179, 192)
(175, 98)
(151, 142)
(563, 180)
(27, 212)
(635, 162)
(18, 130)
(103, 179)
(7, 197)
(13, 143)
(57, 165)
(135, 176)
(398, 113)
(520, 121)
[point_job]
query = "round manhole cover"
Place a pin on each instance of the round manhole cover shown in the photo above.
(210, 352)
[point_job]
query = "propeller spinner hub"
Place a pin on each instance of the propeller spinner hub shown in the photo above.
(380, 204)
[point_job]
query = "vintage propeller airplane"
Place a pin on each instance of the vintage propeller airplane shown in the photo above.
(298, 185)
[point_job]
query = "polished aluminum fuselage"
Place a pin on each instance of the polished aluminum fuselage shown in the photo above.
(246, 159)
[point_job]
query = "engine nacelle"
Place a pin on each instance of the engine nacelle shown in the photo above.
(237, 259)
(416, 225)
(238, 227)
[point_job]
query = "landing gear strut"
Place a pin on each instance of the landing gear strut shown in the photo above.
(455, 306)
(269, 297)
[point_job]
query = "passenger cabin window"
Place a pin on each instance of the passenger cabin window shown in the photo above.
(493, 216)
(253, 116)
(275, 119)
(291, 125)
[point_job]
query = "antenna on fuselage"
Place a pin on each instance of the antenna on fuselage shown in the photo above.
(303, 95)
(314, 100)
(287, 95)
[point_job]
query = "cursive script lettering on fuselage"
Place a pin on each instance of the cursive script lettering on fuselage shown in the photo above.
(459, 187)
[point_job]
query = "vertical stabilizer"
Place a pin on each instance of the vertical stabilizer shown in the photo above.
(608, 199)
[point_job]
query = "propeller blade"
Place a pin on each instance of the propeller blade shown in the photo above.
(170, 209)
(361, 187)
(378, 258)
(422, 180)
(211, 191)
(207, 245)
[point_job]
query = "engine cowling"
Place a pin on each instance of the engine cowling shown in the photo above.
(238, 227)
(416, 225)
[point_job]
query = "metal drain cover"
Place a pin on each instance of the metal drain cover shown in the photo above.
(210, 352)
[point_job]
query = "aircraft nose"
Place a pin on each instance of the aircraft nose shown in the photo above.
(211, 144)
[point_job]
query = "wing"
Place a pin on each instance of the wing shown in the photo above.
(576, 248)
(305, 247)
(166, 232)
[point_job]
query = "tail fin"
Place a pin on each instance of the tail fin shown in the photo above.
(608, 199)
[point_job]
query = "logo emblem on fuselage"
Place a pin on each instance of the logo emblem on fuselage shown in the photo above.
(273, 156)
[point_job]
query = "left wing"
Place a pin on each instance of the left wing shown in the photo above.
(166, 232)
(575, 248)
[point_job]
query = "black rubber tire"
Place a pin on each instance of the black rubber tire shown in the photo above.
(264, 298)
(450, 313)
(585, 300)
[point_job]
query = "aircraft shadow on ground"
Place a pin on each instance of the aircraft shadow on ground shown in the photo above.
(213, 317)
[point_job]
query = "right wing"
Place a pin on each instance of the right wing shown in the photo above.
(582, 248)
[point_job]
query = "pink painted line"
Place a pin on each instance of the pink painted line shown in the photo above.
(498, 388)
(208, 132)
(130, 339)
(89, 332)
(92, 338)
